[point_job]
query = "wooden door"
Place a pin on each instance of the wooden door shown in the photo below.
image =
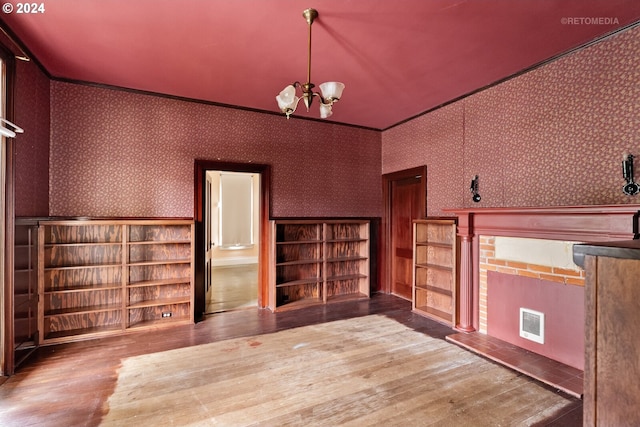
(405, 201)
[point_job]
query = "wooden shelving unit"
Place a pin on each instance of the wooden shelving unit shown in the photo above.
(316, 262)
(102, 277)
(25, 290)
(434, 269)
(160, 266)
(346, 260)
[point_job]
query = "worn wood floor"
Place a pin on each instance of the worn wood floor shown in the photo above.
(70, 384)
(232, 288)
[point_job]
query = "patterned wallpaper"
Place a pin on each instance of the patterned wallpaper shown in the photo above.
(551, 137)
(32, 147)
(116, 153)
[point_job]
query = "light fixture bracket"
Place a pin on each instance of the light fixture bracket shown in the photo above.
(631, 188)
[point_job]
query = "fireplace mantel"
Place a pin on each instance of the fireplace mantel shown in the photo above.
(598, 223)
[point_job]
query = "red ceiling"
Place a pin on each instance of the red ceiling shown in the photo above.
(397, 58)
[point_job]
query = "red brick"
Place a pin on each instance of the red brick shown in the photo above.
(566, 272)
(540, 268)
(527, 273)
(518, 265)
(574, 281)
(552, 278)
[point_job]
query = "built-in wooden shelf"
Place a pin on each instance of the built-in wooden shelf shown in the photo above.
(106, 276)
(85, 333)
(25, 292)
(317, 262)
(158, 302)
(435, 252)
(81, 309)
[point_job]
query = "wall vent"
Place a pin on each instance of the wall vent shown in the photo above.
(532, 325)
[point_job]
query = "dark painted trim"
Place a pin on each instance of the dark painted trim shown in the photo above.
(9, 226)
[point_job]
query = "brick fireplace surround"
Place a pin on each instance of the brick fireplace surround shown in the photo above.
(477, 229)
(488, 262)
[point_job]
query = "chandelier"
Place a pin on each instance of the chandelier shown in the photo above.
(330, 92)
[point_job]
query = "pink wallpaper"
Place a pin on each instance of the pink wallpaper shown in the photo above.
(551, 137)
(32, 147)
(116, 153)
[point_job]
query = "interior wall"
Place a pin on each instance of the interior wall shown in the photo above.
(32, 113)
(554, 136)
(118, 153)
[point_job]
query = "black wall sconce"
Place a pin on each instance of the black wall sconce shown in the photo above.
(474, 189)
(630, 188)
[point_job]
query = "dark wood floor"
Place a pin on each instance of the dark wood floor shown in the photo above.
(67, 385)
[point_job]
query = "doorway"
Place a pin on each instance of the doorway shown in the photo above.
(405, 199)
(231, 241)
(232, 230)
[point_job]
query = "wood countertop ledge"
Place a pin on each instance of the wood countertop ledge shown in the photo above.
(625, 249)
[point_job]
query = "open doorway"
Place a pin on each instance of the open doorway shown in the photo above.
(231, 262)
(232, 230)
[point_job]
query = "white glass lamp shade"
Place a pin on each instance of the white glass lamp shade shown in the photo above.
(8, 132)
(287, 99)
(325, 111)
(331, 91)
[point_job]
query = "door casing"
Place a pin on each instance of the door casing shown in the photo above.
(201, 166)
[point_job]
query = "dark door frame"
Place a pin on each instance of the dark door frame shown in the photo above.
(200, 169)
(387, 181)
(8, 321)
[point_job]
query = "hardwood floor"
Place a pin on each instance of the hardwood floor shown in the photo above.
(556, 374)
(68, 384)
(232, 288)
